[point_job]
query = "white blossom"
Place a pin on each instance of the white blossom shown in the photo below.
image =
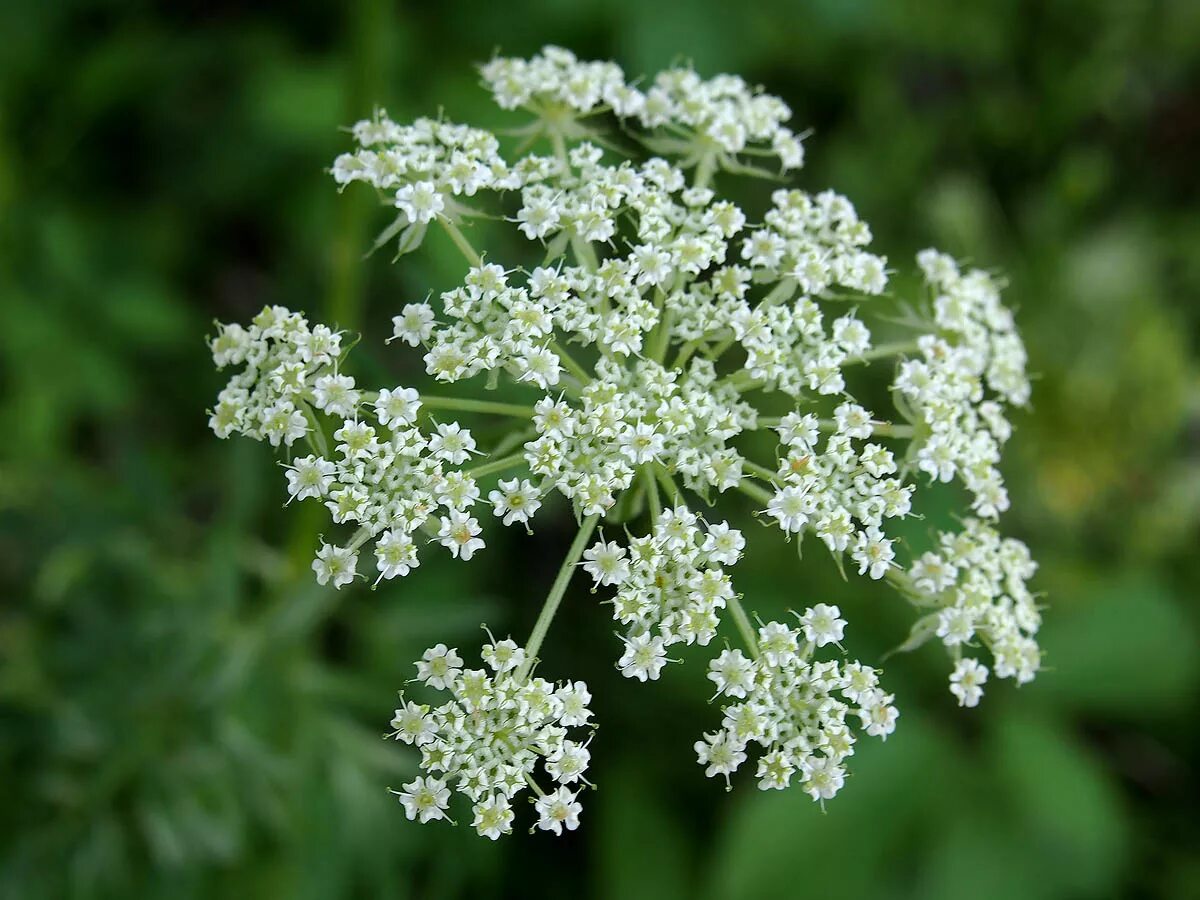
(664, 327)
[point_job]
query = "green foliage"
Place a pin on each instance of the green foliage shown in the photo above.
(183, 713)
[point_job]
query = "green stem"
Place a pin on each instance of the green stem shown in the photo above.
(668, 483)
(557, 590)
(571, 363)
(744, 626)
(461, 242)
(358, 538)
(762, 472)
(585, 254)
(761, 494)
(652, 492)
(781, 293)
(705, 169)
(479, 406)
(885, 429)
(496, 465)
(885, 350)
(560, 148)
(882, 429)
(743, 382)
(317, 440)
(685, 353)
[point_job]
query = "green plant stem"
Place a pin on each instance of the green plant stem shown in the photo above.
(705, 169)
(885, 350)
(570, 362)
(652, 492)
(316, 434)
(885, 429)
(557, 590)
(461, 242)
(761, 494)
(743, 382)
(744, 626)
(761, 471)
(480, 406)
(882, 429)
(668, 484)
(685, 353)
(496, 465)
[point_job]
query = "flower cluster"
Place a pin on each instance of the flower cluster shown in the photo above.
(975, 349)
(841, 492)
(632, 418)
(794, 707)
(288, 369)
(659, 347)
(670, 586)
(555, 79)
(723, 112)
(487, 742)
(978, 582)
(721, 115)
(424, 166)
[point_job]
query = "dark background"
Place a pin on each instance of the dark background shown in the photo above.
(184, 713)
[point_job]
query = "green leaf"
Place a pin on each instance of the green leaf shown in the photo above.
(630, 817)
(1066, 808)
(410, 239)
(1126, 648)
(775, 838)
(923, 629)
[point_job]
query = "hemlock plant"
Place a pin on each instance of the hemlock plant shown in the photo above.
(660, 321)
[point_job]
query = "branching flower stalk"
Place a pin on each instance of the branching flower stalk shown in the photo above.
(663, 329)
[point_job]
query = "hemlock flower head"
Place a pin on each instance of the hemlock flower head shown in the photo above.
(662, 328)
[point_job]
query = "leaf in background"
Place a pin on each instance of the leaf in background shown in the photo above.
(643, 848)
(780, 844)
(1067, 813)
(1127, 649)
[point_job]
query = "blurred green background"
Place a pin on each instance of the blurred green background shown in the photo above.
(184, 713)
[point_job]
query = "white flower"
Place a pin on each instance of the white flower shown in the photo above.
(568, 763)
(641, 443)
(397, 407)
(336, 564)
(413, 724)
(396, 554)
(606, 563)
(723, 544)
(659, 333)
(823, 624)
(493, 817)
(515, 501)
(879, 717)
(503, 656)
(558, 810)
(459, 533)
(873, 553)
(791, 507)
(732, 673)
(778, 643)
(414, 325)
(425, 798)
(720, 754)
(335, 395)
(439, 667)
(967, 680)
(643, 658)
(823, 778)
(310, 476)
(452, 443)
(420, 202)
